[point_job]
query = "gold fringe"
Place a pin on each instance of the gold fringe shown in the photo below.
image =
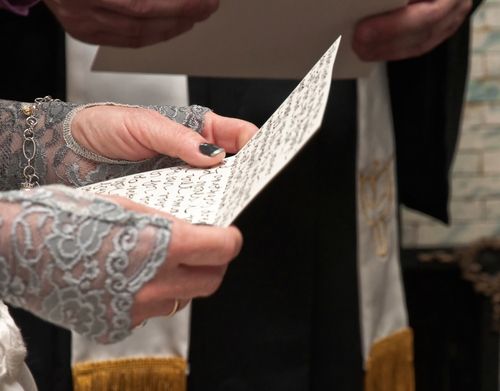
(390, 364)
(136, 374)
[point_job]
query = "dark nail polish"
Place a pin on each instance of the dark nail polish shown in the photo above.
(210, 149)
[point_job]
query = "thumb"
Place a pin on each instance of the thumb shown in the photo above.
(165, 136)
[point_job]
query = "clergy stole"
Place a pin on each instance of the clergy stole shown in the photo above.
(386, 339)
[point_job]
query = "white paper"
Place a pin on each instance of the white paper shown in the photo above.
(218, 195)
(279, 39)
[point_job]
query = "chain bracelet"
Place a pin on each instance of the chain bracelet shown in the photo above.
(31, 179)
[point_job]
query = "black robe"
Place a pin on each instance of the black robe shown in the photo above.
(286, 317)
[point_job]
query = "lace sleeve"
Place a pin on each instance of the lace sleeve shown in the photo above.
(55, 162)
(77, 260)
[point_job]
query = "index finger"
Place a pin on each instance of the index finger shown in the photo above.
(201, 245)
(229, 133)
(195, 9)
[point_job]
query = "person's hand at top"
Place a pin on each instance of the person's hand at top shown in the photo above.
(129, 23)
(410, 31)
(80, 145)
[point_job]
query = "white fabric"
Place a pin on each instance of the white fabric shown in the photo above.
(161, 336)
(84, 86)
(382, 304)
(14, 375)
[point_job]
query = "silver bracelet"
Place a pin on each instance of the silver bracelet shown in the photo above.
(31, 179)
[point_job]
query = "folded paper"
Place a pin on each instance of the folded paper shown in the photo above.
(279, 39)
(218, 195)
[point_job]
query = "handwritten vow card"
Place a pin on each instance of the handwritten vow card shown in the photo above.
(218, 195)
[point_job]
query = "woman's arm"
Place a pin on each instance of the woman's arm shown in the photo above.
(100, 267)
(79, 145)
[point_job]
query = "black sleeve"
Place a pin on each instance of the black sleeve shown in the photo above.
(427, 95)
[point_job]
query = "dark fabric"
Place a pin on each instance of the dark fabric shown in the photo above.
(427, 98)
(32, 65)
(286, 316)
(49, 351)
(32, 60)
(299, 301)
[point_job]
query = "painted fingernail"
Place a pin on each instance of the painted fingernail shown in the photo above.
(210, 149)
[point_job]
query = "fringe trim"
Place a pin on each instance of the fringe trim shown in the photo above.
(150, 373)
(390, 364)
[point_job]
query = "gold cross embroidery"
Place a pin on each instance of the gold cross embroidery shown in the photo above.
(376, 195)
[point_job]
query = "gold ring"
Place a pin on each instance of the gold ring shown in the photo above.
(174, 309)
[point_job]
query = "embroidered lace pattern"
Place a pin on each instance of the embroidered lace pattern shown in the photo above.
(70, 258)
(77, 260)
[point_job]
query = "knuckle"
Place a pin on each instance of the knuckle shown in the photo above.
(132, 119)
(181, 137)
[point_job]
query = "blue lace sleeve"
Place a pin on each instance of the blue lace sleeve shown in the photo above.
(77, 260)
(55, 161)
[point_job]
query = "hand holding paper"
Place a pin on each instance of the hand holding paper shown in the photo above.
(134, 133)
(410, 31)
(129, 23)
(217, 195)
(198, 257)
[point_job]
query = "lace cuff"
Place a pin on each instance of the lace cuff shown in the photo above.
(77, 260)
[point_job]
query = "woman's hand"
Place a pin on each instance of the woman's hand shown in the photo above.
(197, 259)
(128, 133)
(410, 31)
(100, 267)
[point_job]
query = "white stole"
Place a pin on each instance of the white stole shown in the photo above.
(160, 337)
